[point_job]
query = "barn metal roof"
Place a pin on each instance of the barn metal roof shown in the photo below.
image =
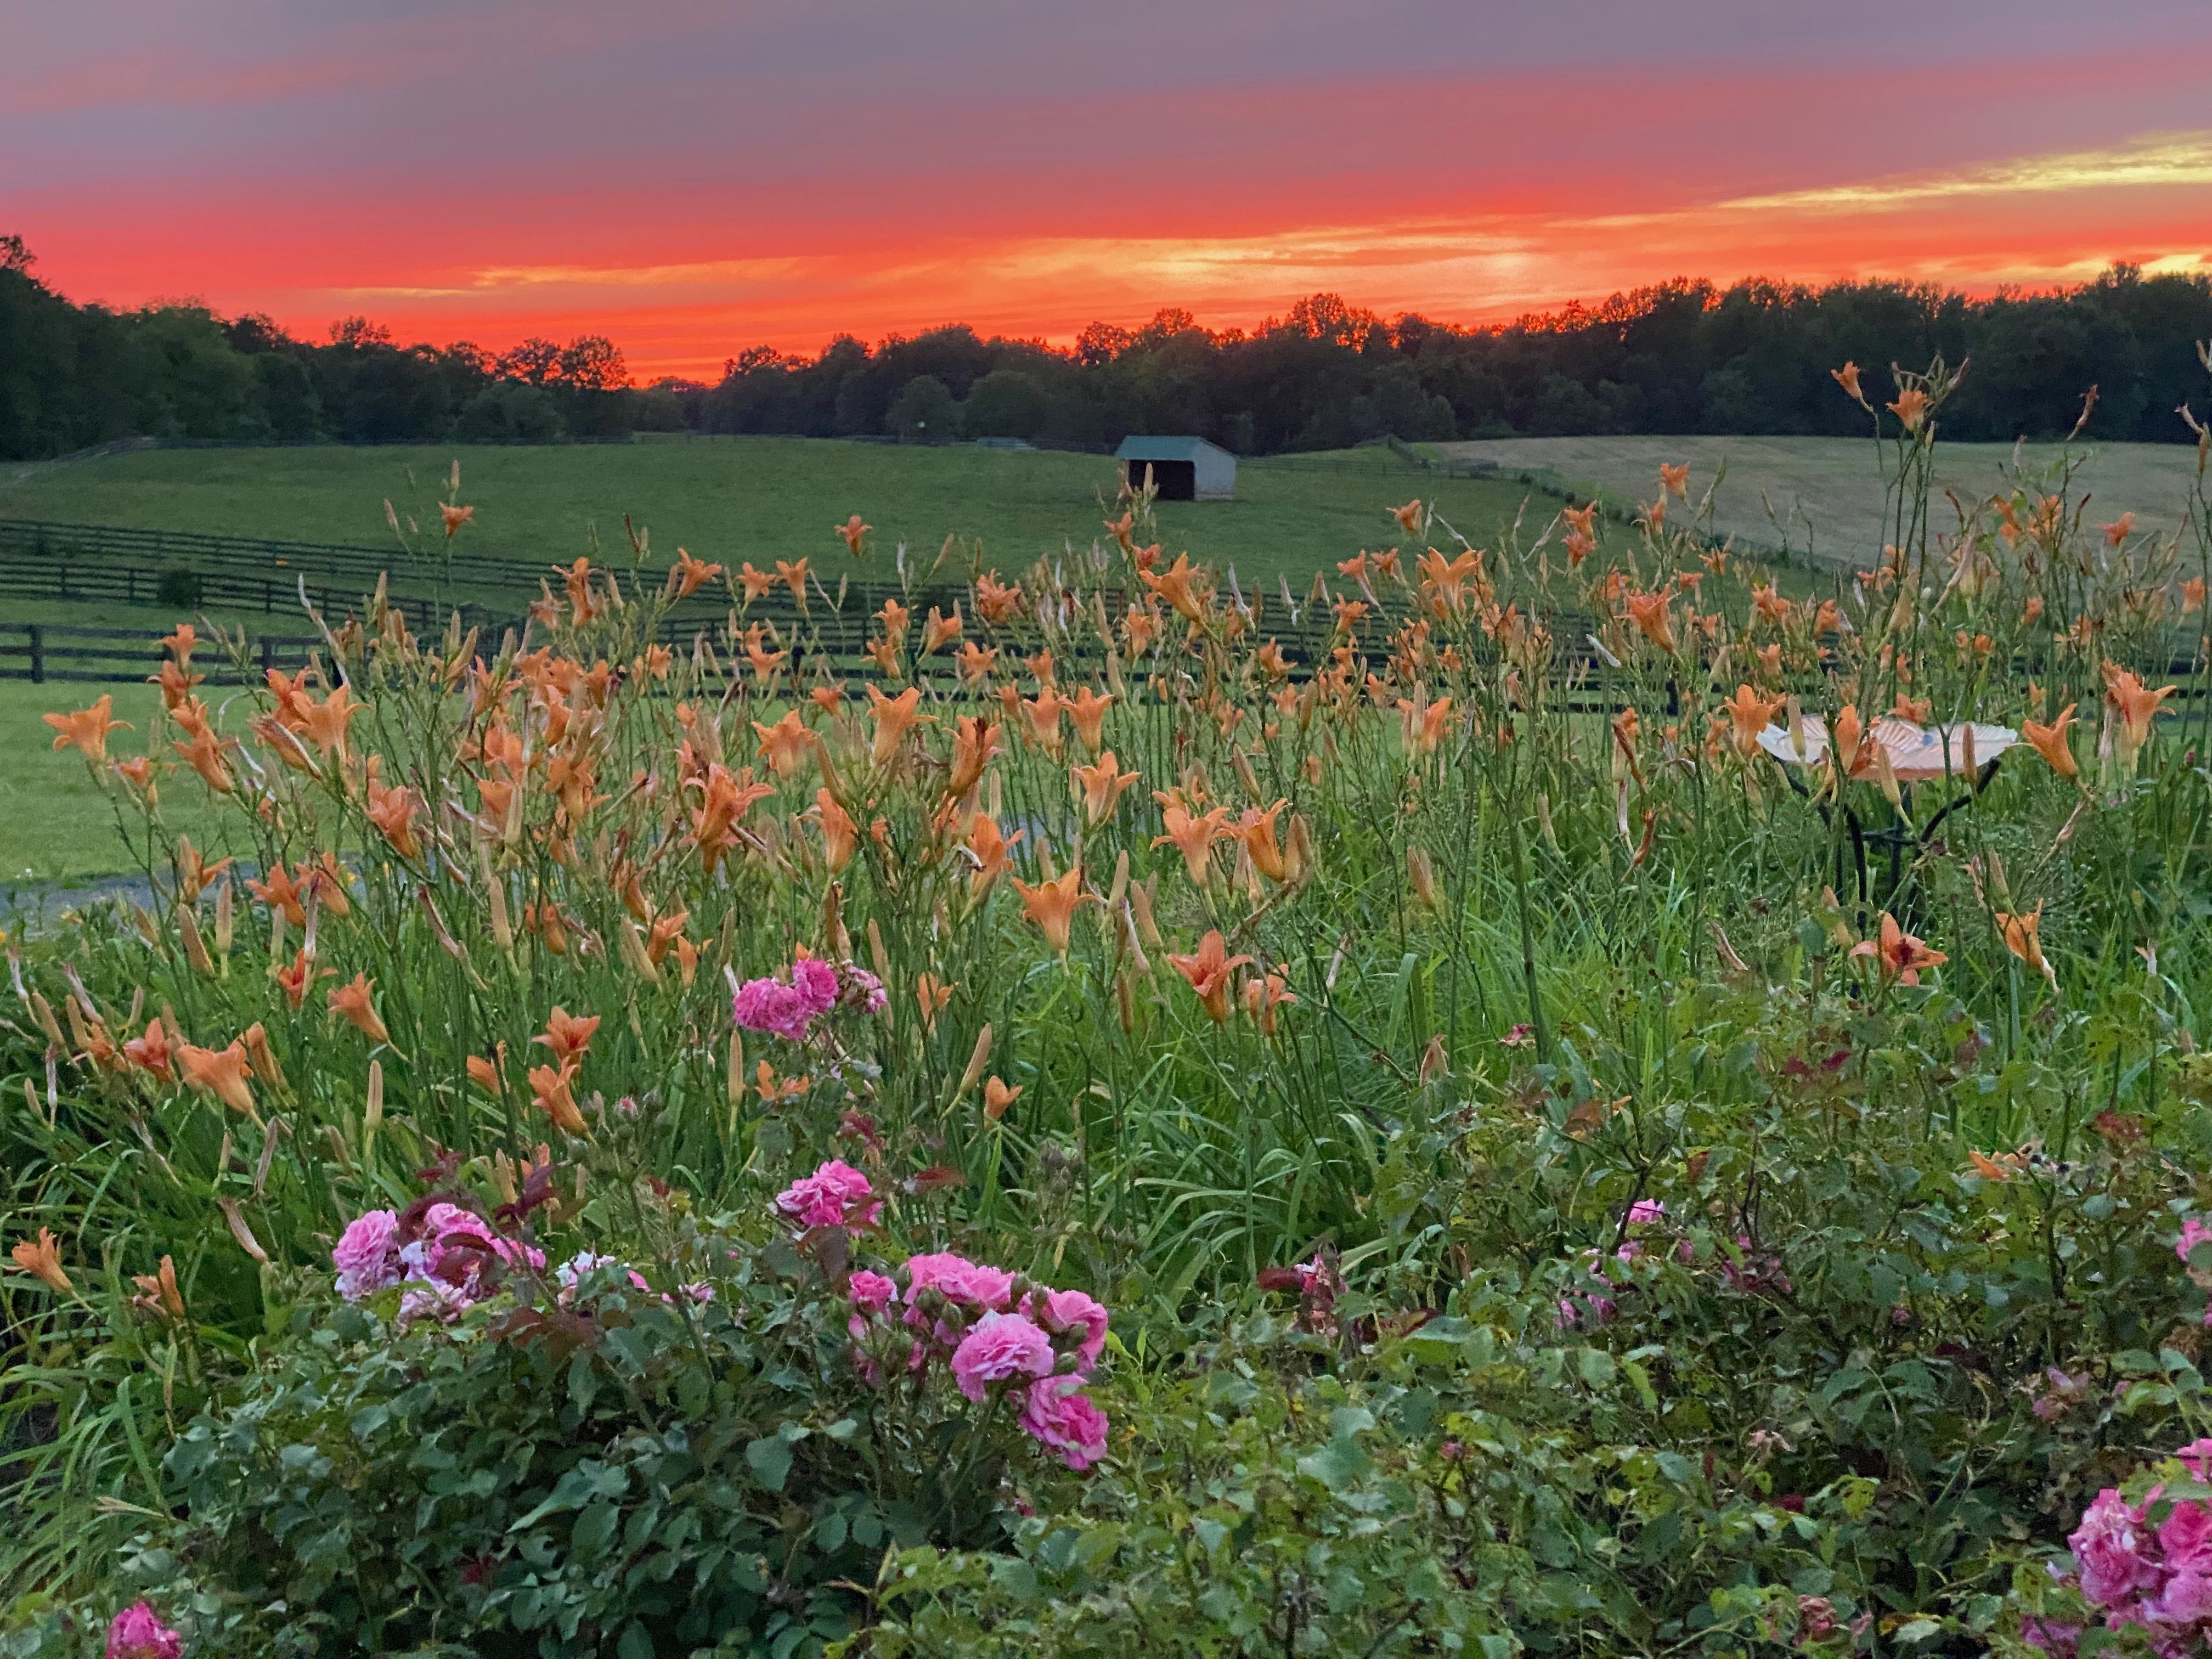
(1168, 449)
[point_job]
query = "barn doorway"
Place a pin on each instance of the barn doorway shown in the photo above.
(1177, 480)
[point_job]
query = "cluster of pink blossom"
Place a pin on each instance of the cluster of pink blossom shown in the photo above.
(787, 1007)
(834, 1196)
(138, 1632)
(570, 1274)
(1316, 1283)
(2156, 1577)
(1029, 1344)
(446, 1256)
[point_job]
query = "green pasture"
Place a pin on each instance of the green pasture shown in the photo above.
(759, 499)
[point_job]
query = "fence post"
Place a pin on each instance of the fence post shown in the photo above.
(38, 654)
(268, 655)
(132, 579)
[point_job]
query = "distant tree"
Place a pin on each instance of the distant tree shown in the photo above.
(14, 256)
(359, 331)
(924, 411)
(1005, 404)
(592, 362)
(534, 362)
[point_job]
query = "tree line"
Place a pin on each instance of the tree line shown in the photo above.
(1682, 357)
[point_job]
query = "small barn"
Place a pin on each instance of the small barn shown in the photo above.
(1185, 469)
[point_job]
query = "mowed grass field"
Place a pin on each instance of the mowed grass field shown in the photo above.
(760, 499)
(1827, 492)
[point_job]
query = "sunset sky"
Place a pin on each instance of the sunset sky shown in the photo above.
(693, 178)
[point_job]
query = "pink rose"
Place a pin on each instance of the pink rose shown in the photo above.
(970, 1284)
(999, 1346)
(367, 1256)
(2194, 1231)
(1067, 1311)
(1646, 1212)
(1065, 1421)
(137, 1633)
(834, 1196)
(871, 1292)
(2114, 1554)
(816, 982)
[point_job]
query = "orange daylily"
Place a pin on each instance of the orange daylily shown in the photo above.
(687, 576)
(1425, 726)
(787, 744)
(755, 583)
(1443, 581)
(724, 802)
(2050, 742)
(1899, 954)
(1099, 787)
(42, 1259)
(1749, 715)
(568, 1035)
(894, 718)
(1263, 996)
(203, 754)
(455, 517)
(990, 850)
(352, 1003)
(1848, 378)
(550, 1091)
(295, 978)
(219, 1072)
(974, 741)
(1044, 711)
(484, 1074)
(150, 1053)
(1176, 584)
(2135, 705)
(1087, 709)
(1675, 480)
(940, 630)
(1408, 516)
(87, 730)
(1910, 408)
(1193, 836)
(997, 600)
(852, 530)
(392, 808)
(1209, 970)
(326, 722)
(1051, 904)
(1582, 520)
(1256, 829)
(2120, 530)
(2023, 938)
(666, 931)
(998, 1095)
(194, 872)
(974, 662)
(1648, 611)
(840, 837)
(280, 892)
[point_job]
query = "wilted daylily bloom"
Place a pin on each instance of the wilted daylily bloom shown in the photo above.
(1051, 904)
(2022, 937)
(219, 1072)
(295, 978)
(351, 1002)
(87, 730)
(42, 1259)
(1899, 955)
(1099, 787)
(1209, 970)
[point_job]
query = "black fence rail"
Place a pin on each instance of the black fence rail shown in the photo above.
(69, 558)
(41, 652)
